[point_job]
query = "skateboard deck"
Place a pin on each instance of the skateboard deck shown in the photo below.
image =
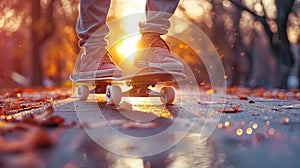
(144, 77)
(138, 82)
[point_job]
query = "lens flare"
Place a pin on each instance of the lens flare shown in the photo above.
(239, 132)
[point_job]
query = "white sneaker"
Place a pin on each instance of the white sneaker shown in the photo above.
(156, 54)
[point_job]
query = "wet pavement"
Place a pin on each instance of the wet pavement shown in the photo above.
(249, 132)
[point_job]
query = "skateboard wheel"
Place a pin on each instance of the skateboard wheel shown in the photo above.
(168, 95)
(83, 92)
(113, 94)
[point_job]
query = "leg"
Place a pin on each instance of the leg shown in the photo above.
(92, 31)
(92, 16)
(157, 22)
(158, 13)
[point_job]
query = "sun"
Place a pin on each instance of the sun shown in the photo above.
(127, 47)
(131, 13)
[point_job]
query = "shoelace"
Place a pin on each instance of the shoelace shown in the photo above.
(161, 49)
(156, 41)
(105, 60)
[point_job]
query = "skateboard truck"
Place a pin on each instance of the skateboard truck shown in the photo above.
(114, 93)
(141, 91)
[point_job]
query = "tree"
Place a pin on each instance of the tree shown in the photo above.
(277, 37)
(42, 28)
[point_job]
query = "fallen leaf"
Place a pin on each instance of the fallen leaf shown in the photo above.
(53, 121)
(268, 95)
(258, 92)
(40, 116)
(32, 137)
(281, 95)
(231, 109)
(241, 97)
(209, 91)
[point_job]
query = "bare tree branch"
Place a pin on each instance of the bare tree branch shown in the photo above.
(279, 42)
(261, 19)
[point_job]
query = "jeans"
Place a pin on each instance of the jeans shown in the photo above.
(93, 13)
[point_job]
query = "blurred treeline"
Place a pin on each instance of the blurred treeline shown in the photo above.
(257, 40)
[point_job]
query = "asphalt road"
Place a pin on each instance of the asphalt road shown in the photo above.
(263, 134)
(195, 132)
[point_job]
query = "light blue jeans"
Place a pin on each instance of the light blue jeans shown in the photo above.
(93, 13)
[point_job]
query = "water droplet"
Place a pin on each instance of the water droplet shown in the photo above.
(227, 124)
(220, 125)
(287, 120)
(271, 131)
(239, 132)
(19, 95)
(254, 126)
(249, 131)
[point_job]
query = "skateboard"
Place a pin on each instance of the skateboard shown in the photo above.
(138, 83)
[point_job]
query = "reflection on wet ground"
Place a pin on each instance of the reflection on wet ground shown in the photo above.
(187, 152)
(190, 152)
(261, 135)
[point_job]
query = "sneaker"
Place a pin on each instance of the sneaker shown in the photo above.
(156, 54)
(91, 68)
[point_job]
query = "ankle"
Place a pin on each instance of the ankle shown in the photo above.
(150, 39)
(150, 34)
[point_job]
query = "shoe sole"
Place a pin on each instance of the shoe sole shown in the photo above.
(101, 73)
(178, 67)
